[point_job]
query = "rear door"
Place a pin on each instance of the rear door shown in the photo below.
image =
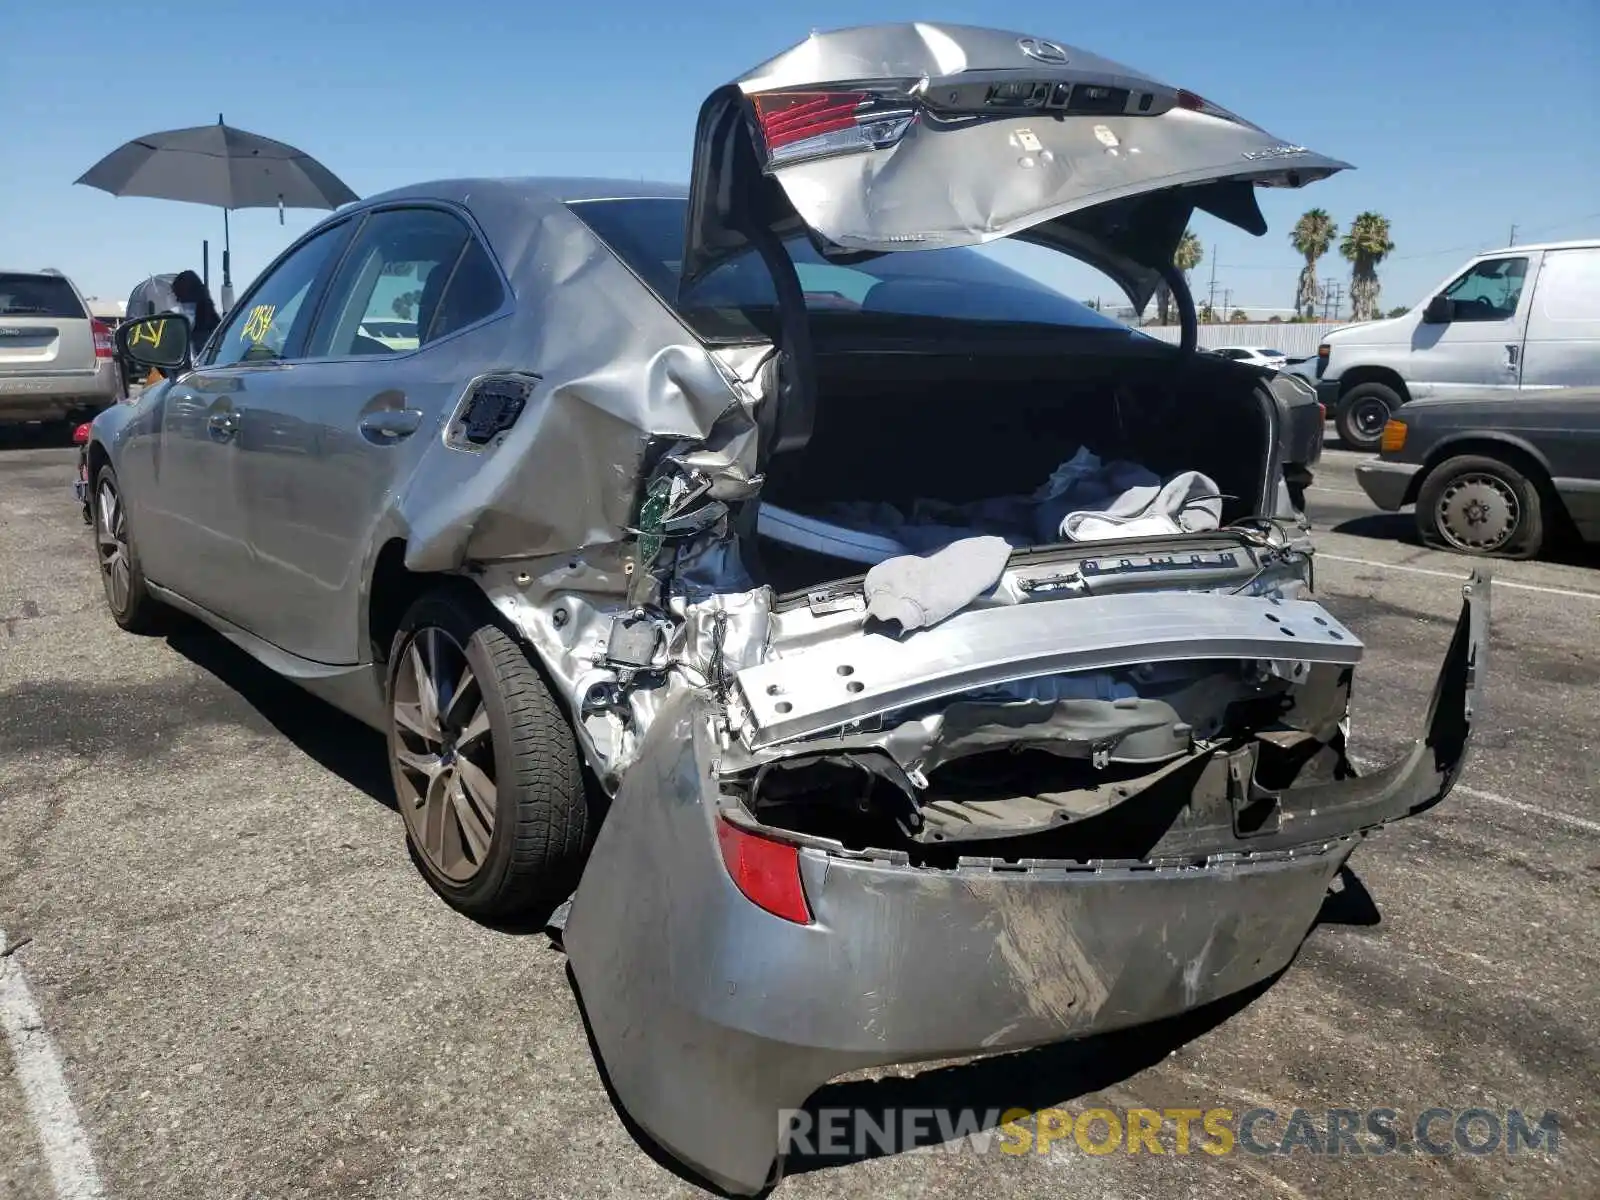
(44, 328)
(329, 440)
(907, 137)
(1562, 348)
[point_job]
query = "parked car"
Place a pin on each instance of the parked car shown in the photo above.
(1493, 474)
(1516, 320)
(1261, 356)
(55, 359)
(591, 557)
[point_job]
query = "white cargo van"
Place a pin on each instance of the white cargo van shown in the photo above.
(1516, 319)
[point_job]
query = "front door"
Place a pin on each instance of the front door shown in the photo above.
(329, 440)
(199, 541)
(1481, 346)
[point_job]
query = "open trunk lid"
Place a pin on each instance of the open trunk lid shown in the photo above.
(920, 136)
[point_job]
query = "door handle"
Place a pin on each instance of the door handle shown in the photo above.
(1513, 354)
(223, 425)
(390, 424)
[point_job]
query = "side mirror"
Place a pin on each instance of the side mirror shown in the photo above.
(1441, 310)
(159, 341)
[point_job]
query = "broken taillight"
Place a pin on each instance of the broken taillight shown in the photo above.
(766, 871)
(802, 125)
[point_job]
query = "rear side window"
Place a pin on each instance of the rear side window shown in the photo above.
(1569, 285)
(39, 296)
(956, 284)
(411, 276)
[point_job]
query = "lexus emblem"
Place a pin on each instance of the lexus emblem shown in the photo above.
(1043, 51)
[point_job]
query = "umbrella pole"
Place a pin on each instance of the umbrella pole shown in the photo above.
(227, 273)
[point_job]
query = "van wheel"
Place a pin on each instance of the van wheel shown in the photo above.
(131, 604)
(1481, 506)
(1363, 411)
(484, 764)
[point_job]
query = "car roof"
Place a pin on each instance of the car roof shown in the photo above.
(1576, 244)
(557, 189)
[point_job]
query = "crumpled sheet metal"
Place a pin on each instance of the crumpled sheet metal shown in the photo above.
(617, 373)
(998, 177)
(713, 1017)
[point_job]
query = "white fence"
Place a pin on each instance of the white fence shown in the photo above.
(1297, 341)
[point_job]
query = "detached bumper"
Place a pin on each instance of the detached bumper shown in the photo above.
(713, 1016)
(1387, 484)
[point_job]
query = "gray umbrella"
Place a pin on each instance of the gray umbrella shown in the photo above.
(218, 165)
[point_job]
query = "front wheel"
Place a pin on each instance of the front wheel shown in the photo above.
(1480, 505)
(1363, 412)
(127, 596)
(484, 765)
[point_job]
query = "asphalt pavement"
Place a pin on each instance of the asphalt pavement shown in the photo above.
(221, 951)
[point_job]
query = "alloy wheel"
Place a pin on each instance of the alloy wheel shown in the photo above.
(1477, 512)
(111, 538)
(444, 754)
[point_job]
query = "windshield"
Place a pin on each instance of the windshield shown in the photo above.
(952, 284)
(39, 296)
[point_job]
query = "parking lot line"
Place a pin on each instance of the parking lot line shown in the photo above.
(1498, 583)
(44, 1088)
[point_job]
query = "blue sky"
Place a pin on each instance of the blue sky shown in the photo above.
(1463, 118)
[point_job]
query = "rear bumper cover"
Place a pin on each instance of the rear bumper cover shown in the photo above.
(47, 396)
(713, 1017)
(1387, 483)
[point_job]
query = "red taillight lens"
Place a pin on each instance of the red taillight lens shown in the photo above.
(80, 435)
(766, 871)
(789, 117)
(801, 125)
(102, 338)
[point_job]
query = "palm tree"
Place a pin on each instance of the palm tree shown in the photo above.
(1186, 258)
(1312, 234)
(1366, 245)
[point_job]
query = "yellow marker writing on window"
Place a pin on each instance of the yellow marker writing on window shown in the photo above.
(259, 324)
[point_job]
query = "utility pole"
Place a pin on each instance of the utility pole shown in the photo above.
(1211, 296)
(1227, 303)
(1513, 240)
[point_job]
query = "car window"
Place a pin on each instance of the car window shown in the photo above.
(1490, 290)
(262, 326)
(390, 292)
(39, 296)
(472, 292)
(1569, 285)
(956, 284)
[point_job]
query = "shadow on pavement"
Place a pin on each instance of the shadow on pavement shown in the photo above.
(37, 435)
(338, 742)
(1348, 904)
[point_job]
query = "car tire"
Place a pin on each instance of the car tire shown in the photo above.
(1362, 413)
(1478, 505)
(121, 573)
(488, 779)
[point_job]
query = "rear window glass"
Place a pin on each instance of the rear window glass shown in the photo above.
(39, 296)
(952, 284)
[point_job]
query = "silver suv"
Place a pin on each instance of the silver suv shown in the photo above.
(56, 361)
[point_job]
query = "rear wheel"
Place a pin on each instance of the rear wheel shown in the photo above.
(132, 606)
(1480, 505)
(484, 764)
(1363, 411)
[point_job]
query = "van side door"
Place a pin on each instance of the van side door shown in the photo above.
(1562, 348)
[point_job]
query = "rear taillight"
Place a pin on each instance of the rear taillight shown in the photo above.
(802, 125)
(80, 435)
(102, 339)
(1187, 99)
(766, 871)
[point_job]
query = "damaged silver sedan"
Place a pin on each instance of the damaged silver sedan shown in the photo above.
(891, 658)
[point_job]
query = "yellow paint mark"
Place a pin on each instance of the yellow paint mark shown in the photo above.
(153, 332)
(259, 324)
